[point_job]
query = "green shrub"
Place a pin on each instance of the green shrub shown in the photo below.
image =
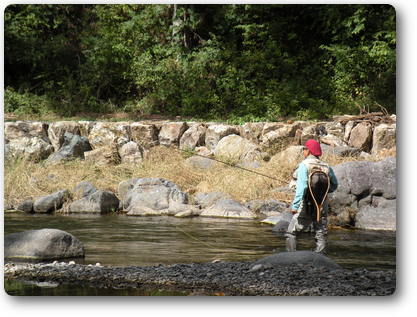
(24, 103)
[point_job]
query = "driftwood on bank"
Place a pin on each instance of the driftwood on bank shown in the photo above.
(374, 118)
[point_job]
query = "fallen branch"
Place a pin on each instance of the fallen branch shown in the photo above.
(383, 109)
(373, 118)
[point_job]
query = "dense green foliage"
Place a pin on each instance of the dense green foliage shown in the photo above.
(240, 62)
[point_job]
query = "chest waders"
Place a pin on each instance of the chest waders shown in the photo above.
(310, 209)
(318, 188)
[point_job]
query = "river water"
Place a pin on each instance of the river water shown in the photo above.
(120, 240)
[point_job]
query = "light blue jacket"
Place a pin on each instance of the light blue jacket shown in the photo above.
(302, 184)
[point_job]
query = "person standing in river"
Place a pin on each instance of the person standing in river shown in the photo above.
(302, 217)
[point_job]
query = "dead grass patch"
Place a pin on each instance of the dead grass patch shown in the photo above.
(24, 180)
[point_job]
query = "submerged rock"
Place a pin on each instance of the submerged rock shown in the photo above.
(294, 259)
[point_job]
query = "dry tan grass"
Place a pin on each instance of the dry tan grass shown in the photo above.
(25, 180)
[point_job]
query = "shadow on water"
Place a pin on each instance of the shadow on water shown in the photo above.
(120, 240)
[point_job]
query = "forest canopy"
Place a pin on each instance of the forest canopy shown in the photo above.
(209, 61)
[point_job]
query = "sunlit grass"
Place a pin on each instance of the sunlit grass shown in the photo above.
(25, 180)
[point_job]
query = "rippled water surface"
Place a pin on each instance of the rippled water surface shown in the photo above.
(122, 240)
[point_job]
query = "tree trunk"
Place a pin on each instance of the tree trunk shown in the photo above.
(179, 22)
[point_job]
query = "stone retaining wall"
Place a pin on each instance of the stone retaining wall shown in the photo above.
(112, 142)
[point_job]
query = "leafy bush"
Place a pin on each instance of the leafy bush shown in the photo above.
(230, 61)
(24, 103)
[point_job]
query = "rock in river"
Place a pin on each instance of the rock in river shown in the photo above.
(43, 244)
(50, 203)
(228, 208)
(100, 201)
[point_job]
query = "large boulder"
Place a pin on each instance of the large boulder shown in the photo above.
(50, 203)
(298, 125)
(26, 206)
(291, 154)
(152, 194)
(84, 189)
(171, 133)
(113, 134)
(217, 132)
(30, 148)
(269, 127)
(145, 135)
(361, 136)
(280, 221)
(272, 137)
(131, 152)
(20, 129)
(294, 259)
(342, 151)
(183, 210)
(384, 137)
(105, 155)
(237, 148)
(86, 127)
(126, 185)
(193, 137)
(269, 207)
(379, 215)
(206, 200)
(228, 208)
(335, 129)
(73, 147)
(251, 131)
(201, 162)
(100, 201)
(332, 140)
(57, 130)
(360, 184)
(348, 129)
(43, 244)
(309, 132)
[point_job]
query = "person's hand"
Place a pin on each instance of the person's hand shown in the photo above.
(293, 211)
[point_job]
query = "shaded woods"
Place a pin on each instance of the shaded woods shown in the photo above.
(236, 62)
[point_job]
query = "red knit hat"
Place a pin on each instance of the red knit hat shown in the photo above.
(314, 147)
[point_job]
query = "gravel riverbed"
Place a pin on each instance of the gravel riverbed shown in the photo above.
(225, 278)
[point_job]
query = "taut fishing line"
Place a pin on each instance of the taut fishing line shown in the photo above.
(232, 165)
(198, 240)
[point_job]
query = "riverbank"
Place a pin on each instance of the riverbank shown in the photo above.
(242, 278)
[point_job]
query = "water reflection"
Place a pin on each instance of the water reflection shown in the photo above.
(121, 240)
(14, 288)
